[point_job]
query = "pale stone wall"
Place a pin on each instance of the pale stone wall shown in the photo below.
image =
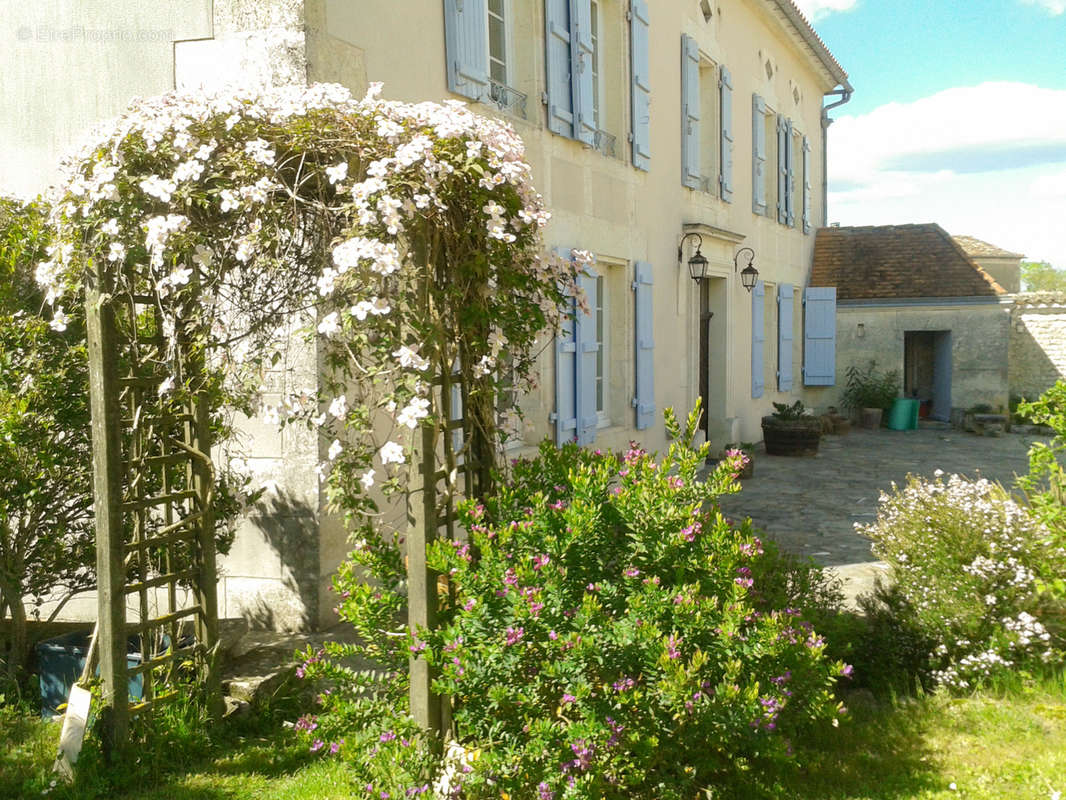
(279, 569)
(69, 64)
(979, 338)
(1037, 343)
(1006, 271)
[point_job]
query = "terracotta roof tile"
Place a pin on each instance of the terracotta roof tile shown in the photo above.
(897, 261)
(977, 248)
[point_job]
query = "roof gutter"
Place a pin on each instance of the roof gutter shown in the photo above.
(845, 93)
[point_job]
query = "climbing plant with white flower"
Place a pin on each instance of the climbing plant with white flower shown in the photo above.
(412, 233)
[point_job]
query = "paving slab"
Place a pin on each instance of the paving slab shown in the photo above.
(809, 505)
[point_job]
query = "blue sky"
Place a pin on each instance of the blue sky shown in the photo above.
(958, 117)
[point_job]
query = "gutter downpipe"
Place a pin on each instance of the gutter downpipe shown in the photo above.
(845, 93)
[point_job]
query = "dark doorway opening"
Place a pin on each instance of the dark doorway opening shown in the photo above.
(927, 371)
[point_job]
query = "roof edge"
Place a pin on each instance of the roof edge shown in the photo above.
(814, 41)
(992, 282)
(912, 302)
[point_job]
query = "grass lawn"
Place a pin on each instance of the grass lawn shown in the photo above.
(989, 746)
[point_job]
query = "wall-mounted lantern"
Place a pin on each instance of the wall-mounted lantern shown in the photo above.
(749, 276)
(697, 265)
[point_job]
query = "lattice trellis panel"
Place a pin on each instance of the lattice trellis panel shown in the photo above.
(153, 492)
(457, 452)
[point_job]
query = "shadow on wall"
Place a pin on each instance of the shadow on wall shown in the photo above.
(1037, 349)
(288, 527)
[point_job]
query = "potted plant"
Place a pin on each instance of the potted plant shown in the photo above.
(869, 392)
(791, 431)
(746, 449)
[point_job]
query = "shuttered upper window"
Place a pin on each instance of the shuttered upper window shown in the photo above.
(706, 122)
(482, 54)
(497, 41)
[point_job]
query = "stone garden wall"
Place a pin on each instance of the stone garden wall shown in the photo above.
(1037, 342)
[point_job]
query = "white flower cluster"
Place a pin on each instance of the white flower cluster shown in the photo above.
(426, 165)
(1029, 632)
(971, 667)
(456, 763)
(158, 231)
(964, 555)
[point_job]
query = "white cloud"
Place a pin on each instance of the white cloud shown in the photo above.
(1051, 186)
(985, 161)
(1054, 7)
(817, 9)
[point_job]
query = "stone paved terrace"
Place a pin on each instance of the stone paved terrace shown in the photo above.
(810, 505)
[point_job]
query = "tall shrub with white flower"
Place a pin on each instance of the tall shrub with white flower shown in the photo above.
(412, 231)
(968, 562)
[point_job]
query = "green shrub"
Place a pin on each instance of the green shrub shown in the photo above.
(601, 637)
(870, 387)
(605, 640)
(1045, 485)
(968, 563)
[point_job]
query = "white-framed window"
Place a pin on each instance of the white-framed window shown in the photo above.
(498, 44)
(597, 71)
(772, 164)
(710, 131)
(600, 311)
(489, 53)
(770, 335)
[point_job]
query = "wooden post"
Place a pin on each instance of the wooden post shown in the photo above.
(422, 582)
(107, 502)
(207, 579)
(422, 599)
(202, 482)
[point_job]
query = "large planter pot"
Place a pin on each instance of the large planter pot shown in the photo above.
(871, 417)
(793, 437)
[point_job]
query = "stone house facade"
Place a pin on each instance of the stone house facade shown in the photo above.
(643, 121)
(911, 299)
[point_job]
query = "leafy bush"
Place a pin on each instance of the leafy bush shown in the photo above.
(1045, 485)
(599, 638)
(968, 563)
(786, 413)
(605, 638)
(46, 537)
(870, 387)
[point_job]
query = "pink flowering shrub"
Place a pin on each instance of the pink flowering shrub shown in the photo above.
(603, 640)
(602, 635)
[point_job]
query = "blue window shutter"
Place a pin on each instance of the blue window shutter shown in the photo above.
(640, 88)
(806, 185)
(690, 112)
(725, 98)
(784, 337)
(782, 171)
(758, 337)
(819, 335)
(565, 367)
(557, 65)
(790, 177)
(581, 70)
(585, 364)
(466, 42)
(645, 346)
(758, 154)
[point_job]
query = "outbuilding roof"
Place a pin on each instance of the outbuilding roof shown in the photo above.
(897, 261)
(978, 249)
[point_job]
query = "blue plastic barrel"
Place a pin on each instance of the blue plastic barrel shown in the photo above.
(60, 662)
